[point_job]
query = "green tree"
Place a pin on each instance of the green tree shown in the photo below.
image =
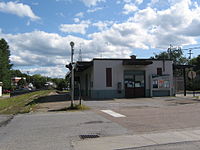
(61, 84)
(38, 81)
(196, 83)
(17, 73)
(5, 65)
(176, 55)
(196, 62)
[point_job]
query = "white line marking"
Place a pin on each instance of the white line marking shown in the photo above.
(112, 113)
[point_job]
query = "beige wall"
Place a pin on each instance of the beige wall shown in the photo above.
(99, 78)
(100, 73)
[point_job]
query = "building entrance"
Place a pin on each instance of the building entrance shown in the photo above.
(134, 83)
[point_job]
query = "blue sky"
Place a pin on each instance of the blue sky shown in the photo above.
(39, 31)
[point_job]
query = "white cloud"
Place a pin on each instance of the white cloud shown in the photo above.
(138, 2)
(94, 9)
(80, 14)
(18, 9)
(60, 14)
(153, 2)
(166, 26)
(38, 49)
(48, 53)
(148, 28)
(75, 28)
(92, 2)
(129, 8)
(127, 1)
(103, 25)
(76, 20)
(58, 71)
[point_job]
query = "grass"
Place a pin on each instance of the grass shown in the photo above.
(18, 104)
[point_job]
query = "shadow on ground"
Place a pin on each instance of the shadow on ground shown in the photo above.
(56, 110)
(52, 98)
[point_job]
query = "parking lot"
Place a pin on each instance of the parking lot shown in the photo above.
(143, 115)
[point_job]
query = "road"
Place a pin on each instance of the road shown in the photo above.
(163, 118)
(54, 131)
(173, 146)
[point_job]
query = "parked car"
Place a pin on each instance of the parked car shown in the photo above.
(6, 91)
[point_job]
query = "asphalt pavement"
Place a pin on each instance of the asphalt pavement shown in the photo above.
(5, 119)
(54, 131)
(154, 123)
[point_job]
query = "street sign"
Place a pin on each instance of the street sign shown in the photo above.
(192, 74)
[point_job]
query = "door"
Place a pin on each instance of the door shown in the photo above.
(134, 83)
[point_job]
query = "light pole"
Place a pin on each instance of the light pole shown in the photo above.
(72, 74)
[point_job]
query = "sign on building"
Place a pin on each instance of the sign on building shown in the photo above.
(160, 85)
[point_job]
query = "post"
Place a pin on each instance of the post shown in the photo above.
(184, 76)
(72, 87)
(0, 90)
(79, 86)
(193, 85)
(72, 74)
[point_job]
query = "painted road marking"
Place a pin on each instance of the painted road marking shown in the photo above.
(112, 113)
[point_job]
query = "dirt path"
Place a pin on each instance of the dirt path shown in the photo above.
(53, 102)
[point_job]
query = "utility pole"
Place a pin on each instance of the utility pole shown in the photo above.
(190, 53)
(170, 51)
(72, 75)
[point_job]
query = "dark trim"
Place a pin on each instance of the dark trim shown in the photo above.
(129, 59)
(137, 62)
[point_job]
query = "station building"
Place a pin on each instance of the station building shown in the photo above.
(107, 78)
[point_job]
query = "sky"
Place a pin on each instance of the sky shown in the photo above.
(39, 32)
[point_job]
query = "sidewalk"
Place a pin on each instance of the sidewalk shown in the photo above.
(136, 141)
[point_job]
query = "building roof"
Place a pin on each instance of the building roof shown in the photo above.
(130, 59)
(83, 65)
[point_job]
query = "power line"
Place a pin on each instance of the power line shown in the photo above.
(192, 48)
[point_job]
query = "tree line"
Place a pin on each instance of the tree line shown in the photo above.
(6, 73)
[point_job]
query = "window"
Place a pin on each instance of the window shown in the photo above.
(108, 77)
(159, 71)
